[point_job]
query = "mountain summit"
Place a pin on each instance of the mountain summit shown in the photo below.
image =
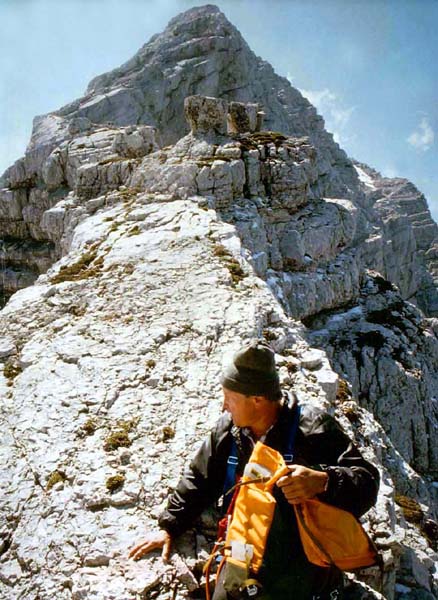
(199, 52)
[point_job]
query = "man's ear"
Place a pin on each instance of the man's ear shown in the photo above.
(258, 400)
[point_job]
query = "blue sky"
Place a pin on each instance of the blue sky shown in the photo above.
(369, 66)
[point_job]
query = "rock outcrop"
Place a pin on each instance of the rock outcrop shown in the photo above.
(398, 202)
(160, 259)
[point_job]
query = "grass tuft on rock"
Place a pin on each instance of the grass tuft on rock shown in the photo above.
(89, 427)
(115, 483)
(11, 370)
(269, 335)
(343, 393)
(168, 433)
(119, 438)
(88, 265)
(411, 509)
(54, 478)
(233, 265)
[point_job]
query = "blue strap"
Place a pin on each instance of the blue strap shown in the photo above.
(233, 459)
(230, 476)
(289, 454)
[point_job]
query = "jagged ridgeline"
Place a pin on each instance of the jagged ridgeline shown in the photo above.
(190, 200)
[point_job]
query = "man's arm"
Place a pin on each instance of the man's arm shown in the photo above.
(201, 484)
(339, 475)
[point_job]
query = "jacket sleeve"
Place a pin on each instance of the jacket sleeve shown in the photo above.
(201, 484)
(353, 482)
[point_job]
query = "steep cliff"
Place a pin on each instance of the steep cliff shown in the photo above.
(167, 258)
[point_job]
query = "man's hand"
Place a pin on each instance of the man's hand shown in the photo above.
(302, 483)
(153, 541)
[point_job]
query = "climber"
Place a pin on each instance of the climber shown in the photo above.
(325, 465)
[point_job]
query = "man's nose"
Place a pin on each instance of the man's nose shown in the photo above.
(224, 405)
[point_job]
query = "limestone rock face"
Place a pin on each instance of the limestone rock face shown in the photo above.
(153, 262)
(397, 202)
(200, 52)
(33, 218)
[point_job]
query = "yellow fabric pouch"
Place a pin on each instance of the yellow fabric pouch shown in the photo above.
(330, 536)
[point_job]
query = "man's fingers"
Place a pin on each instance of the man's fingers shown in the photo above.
(143, 549)
(286, 479)
(153, 541)
(134, 550)
(165, 555)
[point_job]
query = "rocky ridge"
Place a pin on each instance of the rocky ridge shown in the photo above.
(170, 256)
(398, 201)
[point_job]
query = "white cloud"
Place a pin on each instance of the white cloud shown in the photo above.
(336, 115)
(423, 137)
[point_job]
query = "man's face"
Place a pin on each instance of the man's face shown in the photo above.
(241, 408)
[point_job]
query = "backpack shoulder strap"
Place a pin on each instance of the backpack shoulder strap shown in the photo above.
(230, 475)
(289, 453)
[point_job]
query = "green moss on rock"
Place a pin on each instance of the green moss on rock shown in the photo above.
(54, 478)
(115, 483)
(411, 509)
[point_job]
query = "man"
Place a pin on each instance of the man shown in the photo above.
(326, 465)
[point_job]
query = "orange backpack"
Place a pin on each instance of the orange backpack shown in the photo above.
(329, 535)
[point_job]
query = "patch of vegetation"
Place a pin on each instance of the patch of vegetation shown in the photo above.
(233, 265)
(115, 483)
(150, 363)
(168, 433)
(130, 193)
(251, 141)
(351, 412)
(129, 269)
(289, 352)
(89, 427)
(11, 370)
(207, 161)
(220, 250)
(268, 137)
(411, 509)
(134, 230)
(119, 438)
(115, 226)
(77, 311)
(112, 159)
(269, 335)
(88, 265)
(236, 271)
(54, 478)
(343, 394)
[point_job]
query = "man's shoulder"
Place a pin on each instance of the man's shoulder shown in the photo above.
(314, 419)
(223, 426)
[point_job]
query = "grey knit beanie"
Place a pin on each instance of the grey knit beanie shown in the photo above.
(252, 371)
